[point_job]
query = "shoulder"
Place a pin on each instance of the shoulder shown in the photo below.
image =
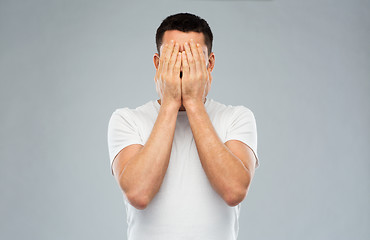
(242, 111)
(138, 112)
(230, 110)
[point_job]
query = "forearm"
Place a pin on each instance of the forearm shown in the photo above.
(226, 173)
(144, 174)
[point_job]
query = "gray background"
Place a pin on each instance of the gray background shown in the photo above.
(302, 67)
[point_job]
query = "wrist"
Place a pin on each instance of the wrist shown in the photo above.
(193, 103)
(171, 105)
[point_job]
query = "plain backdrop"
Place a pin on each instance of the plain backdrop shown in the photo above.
(302, 67)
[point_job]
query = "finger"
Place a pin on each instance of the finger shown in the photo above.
(194, 51)
(185, 64)
(189, 58)
(176, 69)
(161, 58)
(173, 58)
(202, 58)
(167, 56)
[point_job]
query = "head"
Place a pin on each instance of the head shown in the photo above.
(181, 28)
(185, 22)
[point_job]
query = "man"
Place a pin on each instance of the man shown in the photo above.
(184, 162)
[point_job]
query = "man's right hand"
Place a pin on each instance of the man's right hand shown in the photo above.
(167, 77)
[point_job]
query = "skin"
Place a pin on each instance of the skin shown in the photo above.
(181, 38)
(140, 169)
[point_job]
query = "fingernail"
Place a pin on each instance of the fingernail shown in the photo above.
(186, 43)
(171, 41)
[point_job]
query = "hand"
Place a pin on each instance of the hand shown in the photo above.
(167, 77)
(195, 79)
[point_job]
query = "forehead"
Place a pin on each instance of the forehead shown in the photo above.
(182, 37)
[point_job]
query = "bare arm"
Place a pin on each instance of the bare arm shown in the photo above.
(140, 169)
(229, 167)
(142, 175)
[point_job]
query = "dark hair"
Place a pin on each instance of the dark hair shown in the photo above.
(185, 22)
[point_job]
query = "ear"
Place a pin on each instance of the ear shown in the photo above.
(211, 62)
(156, 60)
(211, 65)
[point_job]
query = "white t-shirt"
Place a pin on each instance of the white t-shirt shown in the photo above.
(186, 206)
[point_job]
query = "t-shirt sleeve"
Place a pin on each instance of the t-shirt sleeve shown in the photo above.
(122, 132)
(243, 128)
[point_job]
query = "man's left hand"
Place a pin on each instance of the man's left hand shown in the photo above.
(195, 78)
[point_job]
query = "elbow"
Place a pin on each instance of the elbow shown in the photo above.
(235, 198)
(237, 193)
(138, 201)
(136, 198)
